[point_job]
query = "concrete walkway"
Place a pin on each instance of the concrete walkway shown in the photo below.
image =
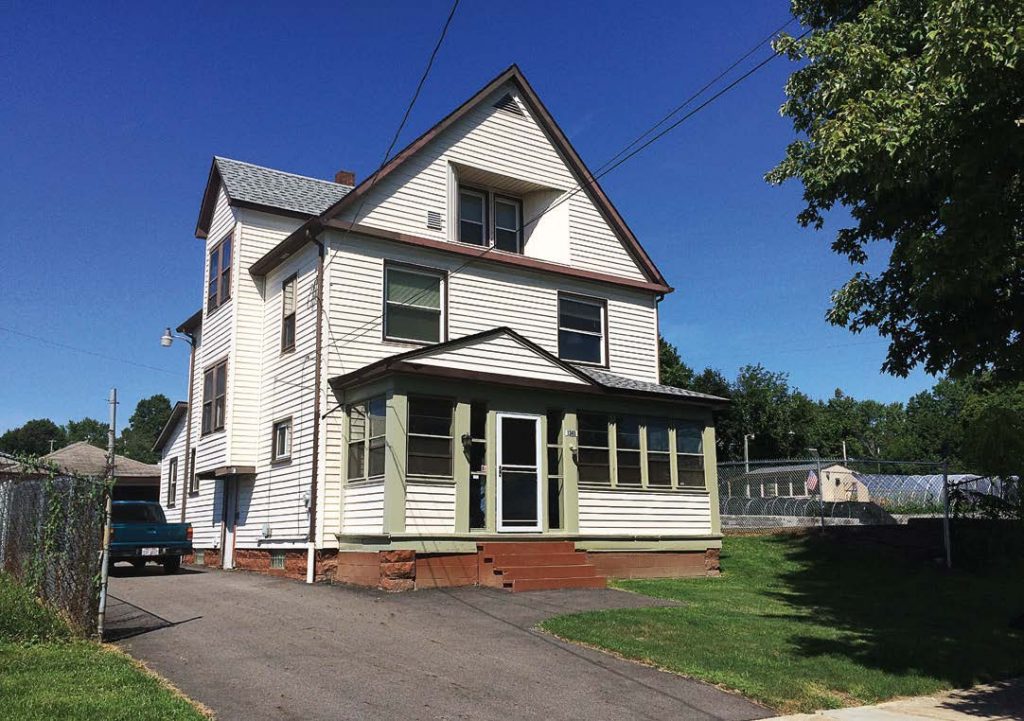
(252, 647)
(1002, 701)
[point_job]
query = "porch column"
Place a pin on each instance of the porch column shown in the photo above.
(711, 473)
(394, 463)
(460, 466)
(570, 475)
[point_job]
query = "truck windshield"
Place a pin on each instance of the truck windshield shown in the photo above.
(137, 513)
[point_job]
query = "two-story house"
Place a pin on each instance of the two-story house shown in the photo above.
(445, 374)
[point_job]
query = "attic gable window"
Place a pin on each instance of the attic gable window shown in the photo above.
(218, 290)
(490, 219)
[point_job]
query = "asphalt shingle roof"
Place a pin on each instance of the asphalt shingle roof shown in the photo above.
(612, 380)
(278, 189)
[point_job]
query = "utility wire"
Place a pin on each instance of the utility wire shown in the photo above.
(625, 154)
(65, 346)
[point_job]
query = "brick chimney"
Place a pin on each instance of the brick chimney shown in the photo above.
(345, 177)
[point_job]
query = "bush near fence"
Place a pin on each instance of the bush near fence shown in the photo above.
(51, 534)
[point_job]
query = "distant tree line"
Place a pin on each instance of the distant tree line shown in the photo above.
(136, 440)
(975, 422)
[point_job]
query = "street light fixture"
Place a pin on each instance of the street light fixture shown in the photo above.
(747, 437)
(168, 338)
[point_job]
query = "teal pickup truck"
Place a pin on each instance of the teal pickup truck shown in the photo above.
(140, 534)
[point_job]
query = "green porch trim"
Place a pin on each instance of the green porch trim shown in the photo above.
(394, 462)
(711, 474)
(570, 474)
(460, 465)
(457, 543)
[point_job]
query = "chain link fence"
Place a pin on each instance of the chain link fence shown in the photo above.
(51, 533)
(804, 492)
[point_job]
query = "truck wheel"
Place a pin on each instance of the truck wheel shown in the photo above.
(172, 564)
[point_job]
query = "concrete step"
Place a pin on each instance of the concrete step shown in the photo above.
(550, 584)
(522, 548)
(514, 573)
(535, 559)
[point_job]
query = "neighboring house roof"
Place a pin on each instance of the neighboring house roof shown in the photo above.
(592, 380)
(192, 323)
(85, 459)
(9, 465)
(254, 186)
(177, 413)
(587, 182)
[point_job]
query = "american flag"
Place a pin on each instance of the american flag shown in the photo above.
(812, 481)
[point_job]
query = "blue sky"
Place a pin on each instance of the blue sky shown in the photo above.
(112, 112)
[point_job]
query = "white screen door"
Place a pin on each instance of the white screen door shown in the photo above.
(519, 454)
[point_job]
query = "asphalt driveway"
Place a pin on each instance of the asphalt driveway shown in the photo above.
(252, 647)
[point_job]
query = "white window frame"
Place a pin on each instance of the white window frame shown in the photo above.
(603, 335)
(172, 481)
(442, 317)
(291, 282)
(491, 198)
(275, 455)
(518, 203)
(484, 225)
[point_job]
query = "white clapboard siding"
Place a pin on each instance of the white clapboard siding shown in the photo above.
(363, 508)
(429, 507)
(641, 512)
(501, 351)
(480, 297)
(508, 144)
(174, 448)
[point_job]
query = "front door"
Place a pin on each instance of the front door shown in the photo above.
(230, 520)
(519, 454)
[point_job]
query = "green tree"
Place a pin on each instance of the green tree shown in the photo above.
(779, 417)
(993, 431)
(87, 429)
(33, 438)
(144, 426)
(672, 370)
(909, 114)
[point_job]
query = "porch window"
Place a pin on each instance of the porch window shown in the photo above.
(366, 425)
(412, 305)
(478, 466)
(218, 290)
(288, 314)
(172, 481)
(581, 329)
(659, 466)
(690, 453)
(430, 437)
(593, 459)
(555, 472)
(215, 382)
(627, 451)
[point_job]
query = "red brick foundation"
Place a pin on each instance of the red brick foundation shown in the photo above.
(406, 570)
(655, 564)
(258, 560)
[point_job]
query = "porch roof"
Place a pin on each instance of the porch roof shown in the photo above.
(584, 379)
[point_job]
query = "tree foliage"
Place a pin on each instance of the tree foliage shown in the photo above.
(87, 429)
(910, 114)
(144, 426)
(33, 438)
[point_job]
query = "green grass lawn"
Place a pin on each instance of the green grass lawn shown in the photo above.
(804, 623)
(47, 674)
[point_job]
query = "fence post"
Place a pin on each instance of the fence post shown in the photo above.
(946, 539)
(108, 510)
(821, 491)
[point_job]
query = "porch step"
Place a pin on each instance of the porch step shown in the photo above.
(551, 584)
(536, 566)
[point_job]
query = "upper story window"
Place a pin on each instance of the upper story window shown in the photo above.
(281, 439)
(413, 308)
(288, 314)
(172, 482)
(215, 383)
(582, 329)
(218, 289)
(490, 219)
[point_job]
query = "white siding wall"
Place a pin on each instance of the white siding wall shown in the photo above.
(481, 297)
(429, 507)
(511, 145)
(639, 512)
(174, 448)
(501, 351)
(363, 508)
(286, 387)
(202, 508)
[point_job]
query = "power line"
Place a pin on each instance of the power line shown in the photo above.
(625, 154)
(65, 346)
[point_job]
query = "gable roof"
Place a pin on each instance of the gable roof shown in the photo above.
(585, 179)
(593, 380)
(254, 186)
(177, 413)
(85, 459)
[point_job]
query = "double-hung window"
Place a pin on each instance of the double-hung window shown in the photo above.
(592, 456)
(215, 382)
(581, 329)
(659, 464)
(366, 443)
(281, 439)
(172, 481)
(430, 437)
(218, 289)
(690, 453)
(413, 307)
(490, 219)
(288, 314)
(627, 451)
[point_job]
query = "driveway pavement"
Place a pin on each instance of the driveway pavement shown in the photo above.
(252, 647)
